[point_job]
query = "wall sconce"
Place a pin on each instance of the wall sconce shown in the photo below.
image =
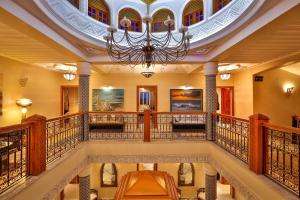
(24, 103)
(288, 89)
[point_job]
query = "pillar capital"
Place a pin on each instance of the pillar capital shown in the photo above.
(84, 68)
(85, 172)
(210, 68)
(209, 170)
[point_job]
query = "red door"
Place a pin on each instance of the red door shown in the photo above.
(226, 102)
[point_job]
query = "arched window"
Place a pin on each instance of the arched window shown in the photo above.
(219, 4)
(108, 175)
(99, 11)
(193, 12)
(186, 174)
(158, 20)
(135, 18)
(75, 3)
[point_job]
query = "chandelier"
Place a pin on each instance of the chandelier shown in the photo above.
(147, 49)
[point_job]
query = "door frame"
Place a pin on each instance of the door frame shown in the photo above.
(62, 96)
(152, 87)
(232, 96)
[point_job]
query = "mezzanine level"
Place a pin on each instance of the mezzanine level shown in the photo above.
(53, 151)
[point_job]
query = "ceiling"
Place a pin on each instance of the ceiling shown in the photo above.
(277, 39)
(21, 42)
(293, 68)
(170, 68)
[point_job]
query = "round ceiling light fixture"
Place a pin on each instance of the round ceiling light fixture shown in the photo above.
(225, 76)
(147, 74)
(69, 76)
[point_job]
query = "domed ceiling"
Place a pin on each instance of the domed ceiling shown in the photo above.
(212, 25)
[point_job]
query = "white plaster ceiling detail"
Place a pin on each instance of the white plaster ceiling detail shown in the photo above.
(88, 27)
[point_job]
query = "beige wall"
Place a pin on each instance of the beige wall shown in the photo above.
(269, 98)
(42, 88)
(243, 94)
(123, 168)
(164, 83)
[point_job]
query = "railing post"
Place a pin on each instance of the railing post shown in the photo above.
(255, 143)
(147, 125)
(37, 144)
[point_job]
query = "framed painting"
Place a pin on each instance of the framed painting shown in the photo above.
(186, 100)
(108, 100)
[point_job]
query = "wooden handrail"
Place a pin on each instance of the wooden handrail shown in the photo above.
(182, 113)
(229, 116)
(282, 128)
(116, 113)
(14, 128)
(63, 117)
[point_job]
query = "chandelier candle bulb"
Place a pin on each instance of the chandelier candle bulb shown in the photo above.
(169, 21)
(125, 22)
(183, 29)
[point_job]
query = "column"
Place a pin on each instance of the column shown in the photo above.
(210, 72)
(84, 71)
(208, 8)
(83, 6)
(84, 184)
(210, 182)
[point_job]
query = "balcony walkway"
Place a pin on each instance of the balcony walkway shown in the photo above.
(60, 172)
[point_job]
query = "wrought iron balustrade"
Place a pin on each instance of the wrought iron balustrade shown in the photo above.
(281, 155)
(14, 155)
(116, 126)
(63, 134)
(232, 134)
(178, 125)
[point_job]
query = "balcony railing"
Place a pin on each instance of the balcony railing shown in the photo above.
(14, 164)
(178, 125)
(281, 155)
(116, 126)
(63, 134)
(267, 149)
(232, 133)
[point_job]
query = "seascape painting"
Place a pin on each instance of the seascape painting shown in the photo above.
(186, 100)
(108, 100)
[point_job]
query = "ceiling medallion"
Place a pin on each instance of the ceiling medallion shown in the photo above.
(147, 74)
(147, 49)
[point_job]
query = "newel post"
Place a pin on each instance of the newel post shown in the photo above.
(37, 144)
(147, 125)
(256, 149)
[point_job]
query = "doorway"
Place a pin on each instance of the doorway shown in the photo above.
(225, 100)
(146, 98)
(69, 99)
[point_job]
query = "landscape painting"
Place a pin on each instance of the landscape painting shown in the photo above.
(108, 100)
(186, 100)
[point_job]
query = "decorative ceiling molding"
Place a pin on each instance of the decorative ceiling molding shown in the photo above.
(90, 28)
